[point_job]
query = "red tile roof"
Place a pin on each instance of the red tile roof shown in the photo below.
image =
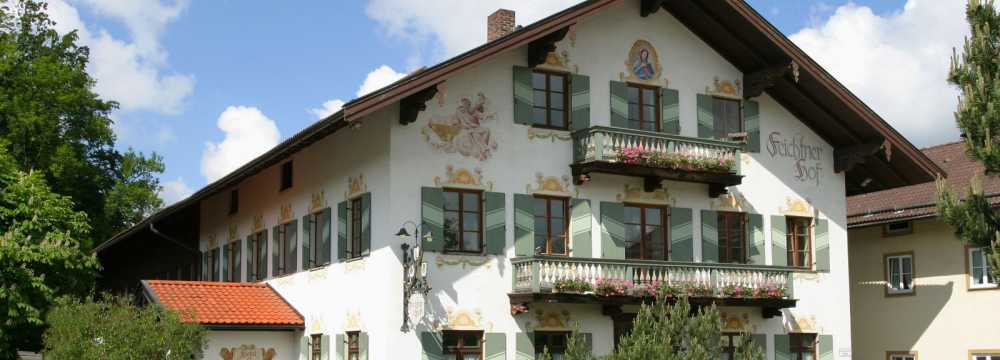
(222, 303)
(920, 201)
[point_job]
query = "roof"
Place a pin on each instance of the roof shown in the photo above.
(731, 27)
(920, 201)
(226, 305)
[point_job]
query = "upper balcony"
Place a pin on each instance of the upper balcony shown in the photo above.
(655, 157)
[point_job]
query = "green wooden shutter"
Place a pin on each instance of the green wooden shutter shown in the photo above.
(495, 346)
(755, 238)
(431, 342)
(341, 349)
(206, 257)
(825, 347)
(706, 116)
(291, 232)
(579, 102)
(670, 111)
(523, 96)
(619, 104)
(612, 230)
(304, 347)
(308, 261)
(709, 236)
(581, 219)
(323, 222)
(524, 344)
(325, 347)
(751, 124)
(779, 242)
(432, 217)
(822, 245)
(342, 230)
(524, 225)
(760, 341)
(681, 235)
(496, 221)
(251, 262)
(238, 271)
(366, 224)
(363, 346)
(276, 251)
(217, 254)
(225, 261)
(782, 347)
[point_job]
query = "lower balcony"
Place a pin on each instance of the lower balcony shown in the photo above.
(550, 279)
(656, 156)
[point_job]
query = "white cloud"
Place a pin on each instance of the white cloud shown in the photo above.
(376, 79)
(130, 72)
(174, 191)
(897, 62)
(248, 133)
(451, 26)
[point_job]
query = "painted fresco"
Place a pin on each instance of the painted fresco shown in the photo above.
(463, 132)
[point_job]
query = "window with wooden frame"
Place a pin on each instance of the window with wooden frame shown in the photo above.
(900, 355)
(729, 343)
(257, 256)
(553, 341)
(316, 347)
(732, 237)
(550, 99)
(802, 346)
(899, 274)
(646, 232)
(463, 220)
(214, 264)
(799, 241)
(980, 273)
(728, 118)
(353, 345)
(232, 258)
(463, 345)
(551, 225)
(287, 243)
(357, 228)
(286, 175)
(643, 107)
(234, 201)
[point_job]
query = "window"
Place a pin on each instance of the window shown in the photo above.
(463, 214)
(551, 225)
(554, 341)
(728, 119)
(234, 201)
(549, 91)
(729, 342)
(732, 230)
(232, 258)
(257, 257)
(316, 349)
(901, 355)
(899, 274)
(463, 345)
(318, 225)
(897, 228)
(357, 228)
(645, 234)
(214, 265)
(286, 245)
(286, 175)
(799, 241)
(643, 107)
(353, 345)
(986, 356)
(802, 346)
(980, 275)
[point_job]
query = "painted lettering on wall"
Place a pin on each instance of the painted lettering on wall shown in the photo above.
(807, 158)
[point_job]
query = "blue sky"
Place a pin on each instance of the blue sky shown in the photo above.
(278, 60)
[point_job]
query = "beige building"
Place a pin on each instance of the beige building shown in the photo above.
(917, 292)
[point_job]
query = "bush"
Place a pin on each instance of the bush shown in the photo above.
(115, 328)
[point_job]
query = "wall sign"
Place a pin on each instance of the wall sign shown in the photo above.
(247, 352)
(807, 158)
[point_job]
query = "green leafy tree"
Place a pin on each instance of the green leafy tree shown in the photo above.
(977, 73)
(115, 328)
(55, 124)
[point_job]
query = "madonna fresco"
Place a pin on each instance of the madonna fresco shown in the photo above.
(463, 132)
(643, 62)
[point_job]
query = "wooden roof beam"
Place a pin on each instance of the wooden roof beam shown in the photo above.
(540, 48)
(755, 82)
(412, 105)
(649, 7)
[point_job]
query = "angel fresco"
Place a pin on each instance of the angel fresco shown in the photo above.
(463, 132)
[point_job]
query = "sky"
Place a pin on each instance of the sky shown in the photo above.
(212, 84)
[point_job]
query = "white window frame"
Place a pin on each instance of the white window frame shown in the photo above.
(896, 289)
(987, 275)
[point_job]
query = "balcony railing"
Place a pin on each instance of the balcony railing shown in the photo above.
(540, 274)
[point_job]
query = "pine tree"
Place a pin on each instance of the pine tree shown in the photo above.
(977, 73)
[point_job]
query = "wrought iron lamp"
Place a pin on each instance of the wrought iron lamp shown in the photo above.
(414, 272)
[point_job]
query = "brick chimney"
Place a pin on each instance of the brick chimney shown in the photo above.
(499, 24)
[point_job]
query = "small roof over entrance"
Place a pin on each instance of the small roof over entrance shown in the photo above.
(222, 305)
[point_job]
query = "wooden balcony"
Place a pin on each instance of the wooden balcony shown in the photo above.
(655, 157)
(767, 287)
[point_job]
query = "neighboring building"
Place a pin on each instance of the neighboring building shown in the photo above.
(680, 142)
(916, 290)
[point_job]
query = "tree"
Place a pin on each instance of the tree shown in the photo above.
(40, 257)
(55, 124)
(116, 328)
(977, 74)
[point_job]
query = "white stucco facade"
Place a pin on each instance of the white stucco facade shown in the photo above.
(392, 162)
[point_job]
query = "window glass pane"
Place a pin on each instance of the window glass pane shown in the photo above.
(633, 95)
(557, 207)
(907, 281)
(977, 258)
(633, 215)
(648, 126)
(538, 115)
(471, 241)
(539, 98)
(649, 114)
(656, 244)
(450, 200)
(977, 276)
(470, 201)
(557, 114)
(538, 80)
(556, 82)
(907, 268)
(653, 216)
(470, 340)
(633, 236)
(540, 207)
(557, 101)
(540, 244)
(648, 96)
(732, 116)
(470, 221)
(633, 112)
(558, 226)
(894, 265)
(558, 245)
(542, 228)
